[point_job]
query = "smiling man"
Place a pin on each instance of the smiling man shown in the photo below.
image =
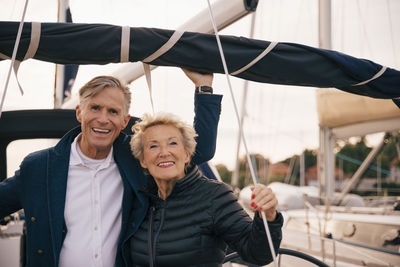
(80, 198)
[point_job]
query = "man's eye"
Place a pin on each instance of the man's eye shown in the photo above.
(95, 107)
(113, 111)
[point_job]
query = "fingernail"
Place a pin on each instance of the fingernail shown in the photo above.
(252, 204)
(253, 196)
(255, 206)
(260, 208)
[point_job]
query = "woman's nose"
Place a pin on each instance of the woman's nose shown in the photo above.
(164, 151)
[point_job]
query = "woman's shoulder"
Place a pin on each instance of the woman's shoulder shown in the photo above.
(214, 188)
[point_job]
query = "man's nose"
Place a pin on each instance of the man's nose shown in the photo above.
(103, 117)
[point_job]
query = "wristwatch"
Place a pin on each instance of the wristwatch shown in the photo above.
(203, 89)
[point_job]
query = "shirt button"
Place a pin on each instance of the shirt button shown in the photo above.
(96, 202)
(40, 251)
(96, 255)
(95, 228)
(33, 219)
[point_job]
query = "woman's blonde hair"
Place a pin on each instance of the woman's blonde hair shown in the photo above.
(187, 131)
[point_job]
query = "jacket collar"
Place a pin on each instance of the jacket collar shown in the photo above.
(151, 189)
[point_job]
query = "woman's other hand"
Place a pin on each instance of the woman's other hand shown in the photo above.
(263, 199)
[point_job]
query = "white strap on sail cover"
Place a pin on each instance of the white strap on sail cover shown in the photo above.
(254, 61)
(146, 69)
(14, 54)
(32, 49)
(165, 47)
(162, 50)
(377, 75)
(125, 39)
(30, 53)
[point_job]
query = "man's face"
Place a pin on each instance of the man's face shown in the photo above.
(102, 118)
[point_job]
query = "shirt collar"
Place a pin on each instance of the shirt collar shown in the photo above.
(75, 158)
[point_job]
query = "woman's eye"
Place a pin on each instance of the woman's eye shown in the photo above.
(153, 146)
(173, 143)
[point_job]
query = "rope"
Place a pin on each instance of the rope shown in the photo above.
(253, 176)
(14, 54)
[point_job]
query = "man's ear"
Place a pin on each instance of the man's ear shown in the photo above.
(126, 120)
(78, 113)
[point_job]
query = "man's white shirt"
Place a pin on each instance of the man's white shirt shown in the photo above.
(92, 211)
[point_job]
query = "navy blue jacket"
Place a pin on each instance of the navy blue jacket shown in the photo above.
(39, 187)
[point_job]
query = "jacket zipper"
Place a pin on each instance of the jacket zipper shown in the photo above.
(149, 239)
(158, 233)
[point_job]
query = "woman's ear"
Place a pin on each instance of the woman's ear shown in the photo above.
(143, 164)
(187, 158)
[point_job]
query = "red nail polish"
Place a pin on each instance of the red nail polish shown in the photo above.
(260, 209)
(255, 206)
(253, 196)
(252, 204)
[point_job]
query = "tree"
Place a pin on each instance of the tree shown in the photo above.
(225, 173)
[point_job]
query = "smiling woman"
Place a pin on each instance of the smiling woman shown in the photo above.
(192, 219)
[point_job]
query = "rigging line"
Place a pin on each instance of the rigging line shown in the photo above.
(364, 30)
(14, 54)
(235, 175)
(271, 246)
(391, 32)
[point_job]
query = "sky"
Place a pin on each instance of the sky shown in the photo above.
(280, 120)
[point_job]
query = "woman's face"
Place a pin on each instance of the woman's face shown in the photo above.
(164, 154)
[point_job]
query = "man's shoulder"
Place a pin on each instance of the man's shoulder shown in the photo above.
(38, 155)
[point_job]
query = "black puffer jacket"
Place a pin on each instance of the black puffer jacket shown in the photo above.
(193, 226)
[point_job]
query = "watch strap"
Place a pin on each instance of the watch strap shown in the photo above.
(203, 89)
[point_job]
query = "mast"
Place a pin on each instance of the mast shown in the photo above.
(326, 160)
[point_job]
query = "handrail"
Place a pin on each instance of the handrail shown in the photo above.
(284, 251)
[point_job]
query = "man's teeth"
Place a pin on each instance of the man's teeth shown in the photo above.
(101, 130)
(165, 164)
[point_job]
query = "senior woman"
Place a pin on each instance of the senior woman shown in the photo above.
(192, 219)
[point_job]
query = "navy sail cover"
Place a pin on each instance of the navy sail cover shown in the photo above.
(286, 63)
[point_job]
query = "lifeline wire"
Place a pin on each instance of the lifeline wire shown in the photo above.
(253, 176)
(21, 24)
